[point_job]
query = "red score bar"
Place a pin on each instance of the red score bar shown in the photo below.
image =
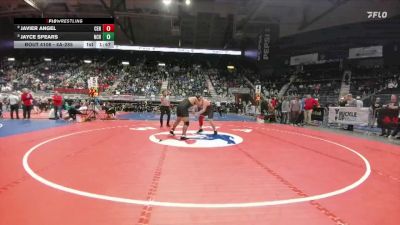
(108, 27)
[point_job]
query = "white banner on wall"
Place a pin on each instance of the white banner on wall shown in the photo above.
(304, 59)
(349, 115)
(366, 52)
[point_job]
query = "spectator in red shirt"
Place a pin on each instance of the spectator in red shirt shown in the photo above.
(274, 102)
(57, 103)
(309, 105)
(27, 100)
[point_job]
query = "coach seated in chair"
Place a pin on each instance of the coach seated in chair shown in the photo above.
(73, 110)
(110, 111)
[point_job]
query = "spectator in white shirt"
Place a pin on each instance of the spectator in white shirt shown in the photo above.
(14, 100)
(285, 110)
(360, 103)
(390, 85)
(219, 109)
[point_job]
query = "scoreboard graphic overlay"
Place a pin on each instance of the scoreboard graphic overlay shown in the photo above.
(97, 33)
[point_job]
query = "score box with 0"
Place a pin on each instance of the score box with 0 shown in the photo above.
(104, 36)
(108, 27)
(104, 28)
(108, 36)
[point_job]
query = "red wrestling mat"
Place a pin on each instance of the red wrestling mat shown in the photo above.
(132, 172)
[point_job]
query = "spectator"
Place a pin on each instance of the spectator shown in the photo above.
(57, 103)
(73, 110)
(14, 100)
(396, 131)
(295, 107)
(300, 119)
(43, 104)
(111, 111)
(342, 101)
(27, 99)
(309, 105)
(271, 111)
(360, 103)
(392, 105)
(375, 110)
(219, 109)
(351, 102)
(274, 102)
(244, 107)
(285, 110)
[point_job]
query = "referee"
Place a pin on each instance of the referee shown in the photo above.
(165, 108)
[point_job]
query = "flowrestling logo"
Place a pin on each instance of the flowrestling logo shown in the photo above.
(377, 14)
(204, 140)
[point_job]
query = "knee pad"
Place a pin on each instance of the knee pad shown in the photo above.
(187, 123)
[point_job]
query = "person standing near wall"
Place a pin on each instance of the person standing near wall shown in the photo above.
(57, 103)
(27, 103)
(295, 107)
(351, 102)
(375, 107)
(14, 101)
(309, 105)
(393, 104)
(360, 103)
(219, 109)
(285, 110)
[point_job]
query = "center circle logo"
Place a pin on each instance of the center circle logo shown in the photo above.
(203, 140)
